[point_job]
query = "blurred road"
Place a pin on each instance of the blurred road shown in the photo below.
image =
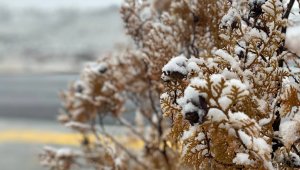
(32, 96)
(29, 105)
(35, 96)
(21, 141)
(28, 108)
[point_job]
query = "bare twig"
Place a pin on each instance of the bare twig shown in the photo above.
(131, 155)
(124, 122)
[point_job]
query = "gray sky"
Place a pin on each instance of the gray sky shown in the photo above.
(55, 4)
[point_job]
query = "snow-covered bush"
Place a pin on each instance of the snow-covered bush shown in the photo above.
(212, 83)
(238, 103)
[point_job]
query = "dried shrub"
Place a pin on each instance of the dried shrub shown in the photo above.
(212, 84)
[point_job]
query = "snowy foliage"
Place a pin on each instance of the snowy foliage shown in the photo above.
(245, 97)
(211, 78)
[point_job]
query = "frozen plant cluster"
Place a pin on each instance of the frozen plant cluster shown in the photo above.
(210, 84)
(242, 92)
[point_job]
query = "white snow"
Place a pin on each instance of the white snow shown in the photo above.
(295, 159)
(265, 121)
(189, 107)
(100, 68)
(227, 57)
(231, 16)
(261, 146)
(224, 102)
(289, 131)
(228, 74)
(192, 66)
(176, 64)
(238, 116)
(217, 78)
(242, 159)
(246, 139)
(190, 94)
(216, 115)
(64, 152)
(78, 126)
(257, 144)
(189, 133)
(200, 136)
(237, 83)
(198, 82)
(255, 33)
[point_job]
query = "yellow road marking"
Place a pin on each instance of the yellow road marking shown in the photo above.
(55, 138)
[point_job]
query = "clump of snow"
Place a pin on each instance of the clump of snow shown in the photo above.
(64, 152)
(119, 160)
(200, 136)
(175, 65)
(193, 66)
(189, 107)
(257, 144)
(198, 82)
(230, 18)
(96, 68)
(216, 115)
(246, 139)
(227, 57)
(292, 38)
(242, 159)
(261, 146)
(229, 75)
(194, 102)
(224, 102)
(198, 148)
(255, 33)
(191, 95)
(216, 78)
(294, 159)
(237, 84)
(239, 51)
(238, 116)
(289, 130)
(185, 149)
(78, 126)
(267, 8)
(80, 86)
(238, 120)
(189, 133)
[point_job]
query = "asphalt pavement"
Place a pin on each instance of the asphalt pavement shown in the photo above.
(32, 96)
(29, 106)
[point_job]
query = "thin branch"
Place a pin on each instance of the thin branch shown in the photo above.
(127, 124)
(286, 14)
(290, 70)
(288, 9)
(296, 150)
(131, 155)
